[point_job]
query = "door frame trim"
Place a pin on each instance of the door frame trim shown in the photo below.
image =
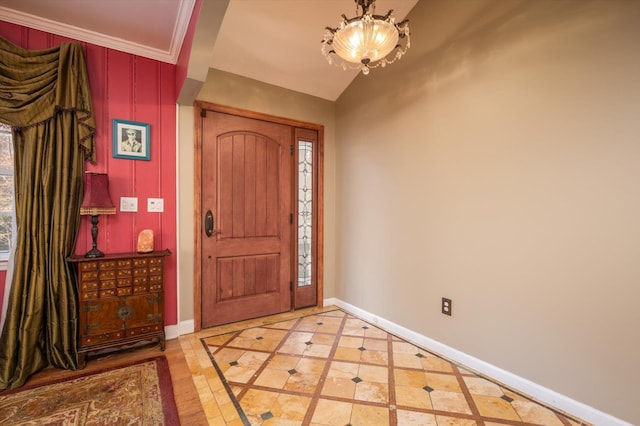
(199, 107)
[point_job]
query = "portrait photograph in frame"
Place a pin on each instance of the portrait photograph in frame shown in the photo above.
(131, 140)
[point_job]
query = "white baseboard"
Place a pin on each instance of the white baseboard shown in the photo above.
(184, 327)
(526, 386)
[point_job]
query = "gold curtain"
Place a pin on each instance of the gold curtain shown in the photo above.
(45, 98)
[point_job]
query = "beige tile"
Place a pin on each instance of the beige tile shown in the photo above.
(364, 415)
(339, 387)
(453, 402)
(414, 418)
(401, 347)
(256, 402)
(350, 342)
(453, 421)
(373, 392)
(311, 366)
(346, 370)
(531, 412)
(332, 413)
(372, 373)
(239, 374)
(298, 336)
(323, 339)
(293, 348)
(347, 354)
(317, 350)
(305, 383)
(407, 396)
(375, 357)
(406, 360)
(480, 386)
(218, 340)
(229, 412)
(290, 407)
(374, 332)
(412, 378)
(375, 344)
(433, 363)
(444, 382)
(492, 406)
(283, 362)
(272, 378)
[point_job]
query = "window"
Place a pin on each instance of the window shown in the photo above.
(6, 193)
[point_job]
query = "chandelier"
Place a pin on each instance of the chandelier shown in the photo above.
(366, 41)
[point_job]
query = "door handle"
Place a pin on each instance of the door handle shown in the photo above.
(209, 224)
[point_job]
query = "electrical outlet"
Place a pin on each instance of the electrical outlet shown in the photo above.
(128, 204)
(446, 306)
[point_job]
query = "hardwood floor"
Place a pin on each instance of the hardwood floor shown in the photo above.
(187, 400)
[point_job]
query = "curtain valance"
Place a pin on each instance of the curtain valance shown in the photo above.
(36, 84)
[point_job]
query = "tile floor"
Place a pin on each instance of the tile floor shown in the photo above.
(325, 367)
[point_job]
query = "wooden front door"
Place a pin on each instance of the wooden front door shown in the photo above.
(246, 199)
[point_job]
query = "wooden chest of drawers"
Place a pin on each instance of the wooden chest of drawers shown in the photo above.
(121, 300)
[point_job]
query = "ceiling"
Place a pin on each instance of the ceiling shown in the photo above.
(273, 41)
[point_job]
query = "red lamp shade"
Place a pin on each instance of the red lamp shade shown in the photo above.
(96, 199)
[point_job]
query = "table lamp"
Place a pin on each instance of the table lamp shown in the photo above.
(96, 201)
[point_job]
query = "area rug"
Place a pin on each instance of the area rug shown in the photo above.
(138, 393)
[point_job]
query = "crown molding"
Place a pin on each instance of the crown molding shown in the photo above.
(104, 40)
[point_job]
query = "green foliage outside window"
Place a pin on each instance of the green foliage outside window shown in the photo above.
(6, 189)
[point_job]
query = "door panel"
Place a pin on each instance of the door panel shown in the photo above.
(246, 183)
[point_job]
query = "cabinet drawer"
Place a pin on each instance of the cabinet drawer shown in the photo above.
(101, 338)
(107, 275)
(140, 281)
(91, 285)
(140, 262)
(140, 272)
(89, 276)
(123, 263)
(123, 282)
(107, 293)
(123, 273)
(155, 269)
(89, 295)
(107, 284)
(88, 266)
(155, 287)
(156, 261)
(107, 264)
(143, 330)
(139, 289)
(155, 279)
(124, 291)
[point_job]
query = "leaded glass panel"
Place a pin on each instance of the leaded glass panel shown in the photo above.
(305, 212)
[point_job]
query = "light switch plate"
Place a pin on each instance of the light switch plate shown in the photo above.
(128, 204)
(155, 205)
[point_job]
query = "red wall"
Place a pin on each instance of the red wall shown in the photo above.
(127, 87)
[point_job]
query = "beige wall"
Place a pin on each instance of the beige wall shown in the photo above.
(239, 92)
(498, 164)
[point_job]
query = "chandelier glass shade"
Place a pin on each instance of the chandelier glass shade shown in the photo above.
(366, 41)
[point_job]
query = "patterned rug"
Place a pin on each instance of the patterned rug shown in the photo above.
(140, 393)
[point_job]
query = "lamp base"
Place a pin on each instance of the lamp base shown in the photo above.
(94, 252)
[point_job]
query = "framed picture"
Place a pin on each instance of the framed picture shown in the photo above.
(131, 140)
